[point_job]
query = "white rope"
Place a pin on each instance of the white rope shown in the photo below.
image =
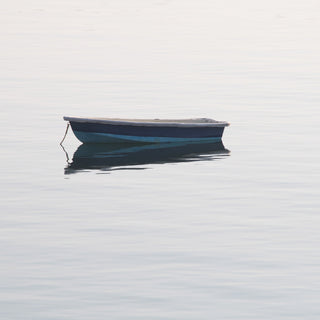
(68, 125)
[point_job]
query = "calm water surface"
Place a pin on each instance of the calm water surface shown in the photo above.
(209, 232)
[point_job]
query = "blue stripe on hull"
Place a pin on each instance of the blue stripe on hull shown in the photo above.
(144, 132)
(94, 137)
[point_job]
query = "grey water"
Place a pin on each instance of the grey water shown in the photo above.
(218, 232)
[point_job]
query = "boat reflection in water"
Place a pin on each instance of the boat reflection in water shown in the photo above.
(108, 157)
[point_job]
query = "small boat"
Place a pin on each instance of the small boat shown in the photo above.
(113, 130)
(109, 157)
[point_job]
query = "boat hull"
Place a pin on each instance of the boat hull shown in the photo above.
(88, 132)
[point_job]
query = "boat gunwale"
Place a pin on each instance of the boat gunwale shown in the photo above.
(201, 122)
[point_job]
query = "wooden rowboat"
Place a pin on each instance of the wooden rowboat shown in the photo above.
(111, 130)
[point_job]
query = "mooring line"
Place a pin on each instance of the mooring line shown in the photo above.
(68, 125)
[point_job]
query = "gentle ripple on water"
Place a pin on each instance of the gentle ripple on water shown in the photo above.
(227, 231)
